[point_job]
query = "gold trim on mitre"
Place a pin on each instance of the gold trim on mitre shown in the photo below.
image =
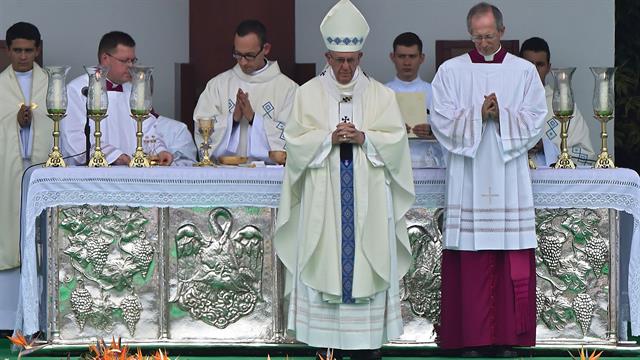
(344, 28)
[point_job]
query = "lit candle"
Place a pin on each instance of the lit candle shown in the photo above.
(140, 92)
(564, 97)
(96, 91)
(57, 86)
(603, 98)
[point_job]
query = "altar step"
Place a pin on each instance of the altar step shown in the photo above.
(299, 352)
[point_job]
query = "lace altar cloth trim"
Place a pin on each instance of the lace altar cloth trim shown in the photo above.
(200, 187)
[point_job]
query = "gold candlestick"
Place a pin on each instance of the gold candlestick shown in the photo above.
(139, 159)
(564, 159)
(206, 128)
(98, 159)
(604, 161)
(55, 156)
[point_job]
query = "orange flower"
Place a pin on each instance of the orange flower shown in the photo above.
(160, 356)
(584, 355)
(20, 341)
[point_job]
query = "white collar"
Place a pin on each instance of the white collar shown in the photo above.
(23, 73)
(417, 80)
(345, 88)
(262, 69)
(490, 57)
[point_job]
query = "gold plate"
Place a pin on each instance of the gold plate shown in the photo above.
(232, 160)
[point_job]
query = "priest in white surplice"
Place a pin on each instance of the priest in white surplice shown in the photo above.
(117, 52)
(348, 183)
(25, 137)
(536, 50)
(489, 109)
(250, 101)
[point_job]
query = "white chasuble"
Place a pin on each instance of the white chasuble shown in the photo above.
(309, 225)
(270, 94)
(489, 200)
(11, 152)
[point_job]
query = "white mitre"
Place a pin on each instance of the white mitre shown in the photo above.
(344, 29)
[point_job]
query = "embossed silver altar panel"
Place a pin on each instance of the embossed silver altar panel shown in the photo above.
(573, 277)
(106, 284)
(221, 278)
(420, 287)
(208, 275)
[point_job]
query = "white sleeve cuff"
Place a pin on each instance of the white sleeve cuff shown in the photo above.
(322, 153)
(372, 153)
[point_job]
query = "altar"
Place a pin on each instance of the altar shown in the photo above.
(183, 256)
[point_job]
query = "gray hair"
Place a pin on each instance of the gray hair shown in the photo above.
(482, 8)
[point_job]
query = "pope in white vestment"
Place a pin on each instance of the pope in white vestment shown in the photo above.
(489, 110)
(340, 230)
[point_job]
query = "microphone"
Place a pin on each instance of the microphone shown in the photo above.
(87, 131)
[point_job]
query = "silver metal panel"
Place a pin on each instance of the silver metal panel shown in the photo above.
(209, 275)
(573, 268)
(106, 279)
(221, 278)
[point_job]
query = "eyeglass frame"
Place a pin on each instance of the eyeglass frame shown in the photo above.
(130, 62)
(248, 57)
(342, 60)
(478, 38)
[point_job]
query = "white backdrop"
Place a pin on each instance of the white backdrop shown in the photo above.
(580, 33)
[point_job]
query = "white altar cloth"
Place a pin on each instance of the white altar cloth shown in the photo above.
(205, 187)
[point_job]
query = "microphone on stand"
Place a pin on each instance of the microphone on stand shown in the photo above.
(87, 131)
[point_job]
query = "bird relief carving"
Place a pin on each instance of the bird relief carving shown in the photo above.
(220, 273)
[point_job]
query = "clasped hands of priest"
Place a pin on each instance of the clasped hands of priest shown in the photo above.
(490, 109)
(346, 133)
(24, 116)
(243, 108)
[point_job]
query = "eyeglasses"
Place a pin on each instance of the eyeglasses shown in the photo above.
(249, 57)
(479, 38)
(341, 60)
(125, 61)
